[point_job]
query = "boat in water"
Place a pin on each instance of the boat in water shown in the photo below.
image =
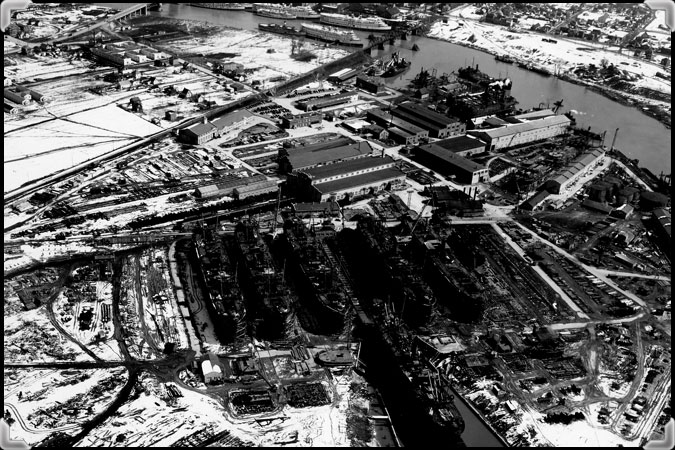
(224, 6)
(274, 11)
(376, 69)
(395, 66)
(303, 12)
(264, 284)
(280, 29)
(505, 59)
(358, 23)
(331, 34)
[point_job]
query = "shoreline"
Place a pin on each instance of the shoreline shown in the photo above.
(478, 414)
(661, 116)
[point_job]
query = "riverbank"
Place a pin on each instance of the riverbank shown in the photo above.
(495, 40)
(478, 415)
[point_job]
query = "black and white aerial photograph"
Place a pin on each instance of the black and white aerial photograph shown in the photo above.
(431, 225)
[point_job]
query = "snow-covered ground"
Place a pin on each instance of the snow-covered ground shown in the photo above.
(44, 389)
(529, 47)
(252, 48)
(51, 146)
(30, 337)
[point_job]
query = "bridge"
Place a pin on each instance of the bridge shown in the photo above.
(139, 9)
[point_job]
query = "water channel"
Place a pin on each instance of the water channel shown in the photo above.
(639, 136)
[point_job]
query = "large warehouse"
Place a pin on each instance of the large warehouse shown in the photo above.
(386, 120)
(462, 145)
(312, 104)
(301, 158)
(438, 125)
(522, 133)
(447, 162)
(347, 178)
(573, 171)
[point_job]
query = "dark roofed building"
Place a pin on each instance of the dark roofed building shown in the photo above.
(531, 203)
(304, 158)
(661, 221)
(316, 209)
(199, 133)
(448, 163)
(462, 145)
(376, 181)
(438, 125)
(411, 131)
(369, 84)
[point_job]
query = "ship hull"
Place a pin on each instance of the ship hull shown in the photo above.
(354, 23)
(279, 29)
(392, 72)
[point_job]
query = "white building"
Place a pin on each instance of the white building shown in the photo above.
(211, 372)
(522, 133)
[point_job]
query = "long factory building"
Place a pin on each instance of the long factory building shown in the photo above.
(522, 133)
(446, 157)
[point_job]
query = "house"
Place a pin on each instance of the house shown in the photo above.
(422, 94)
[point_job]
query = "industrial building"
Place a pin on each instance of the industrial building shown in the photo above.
(438, 125)
(402, 131)
(227, 188)
(347, 178)
(531, 203)
(342, 75)
(301, 120)
(316, 209)
(462, 145)
(205, 131)
(252, 189)
(199, 133)
(211, 369)
(522, 133)
(312, 104)
(301, 158)
(127, 53)
(572, 172)
(369, 84)
(447, 162)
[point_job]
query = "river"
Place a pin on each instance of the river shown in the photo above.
(639, 135)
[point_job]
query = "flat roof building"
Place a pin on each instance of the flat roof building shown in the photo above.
(342, 75)
(199, 133)
(438, 125)
(374, 181)
(522, 133)
(411, 131)
(462, 145)
(301, 120)
(316, 155)
(449, 163)
(369, 84)
(311, 104)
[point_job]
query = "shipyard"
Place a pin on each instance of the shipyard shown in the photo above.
(338, 224)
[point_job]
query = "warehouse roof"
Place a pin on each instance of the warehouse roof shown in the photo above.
(535, 115)
(523, 127)
(533, 201)
(396, 121)
(452, 158)
(231, 118)
(365, 179)
(200, 129)
(399, 132)
(301, 158)
(458, 144)
(258, 185)
(403, 115)
(344, 167)
(429, 115)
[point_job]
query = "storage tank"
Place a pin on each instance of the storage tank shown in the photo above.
(620, 199)
(652, 200)
(614, 182)
(632, 193)
(597, 192)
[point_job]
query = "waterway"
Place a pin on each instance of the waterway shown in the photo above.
(639, 135)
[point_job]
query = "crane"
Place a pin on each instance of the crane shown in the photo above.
(419, 216)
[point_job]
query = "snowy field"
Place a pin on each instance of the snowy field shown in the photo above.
(29, 68)
(51, 146)
(31, 392)
(252, 48)
(529, 47)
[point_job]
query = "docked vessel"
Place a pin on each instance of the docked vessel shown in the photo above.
(280, 29)
(317, 276)
(224, 299)
(268, 295)
(359, 23)
(395, 66)
(225, 6)
(414, 385)
(376, 69)
(331, 34)
(274, 12)
(505, 59)
(304, 12)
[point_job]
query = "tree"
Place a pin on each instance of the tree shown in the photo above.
(604, 62)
